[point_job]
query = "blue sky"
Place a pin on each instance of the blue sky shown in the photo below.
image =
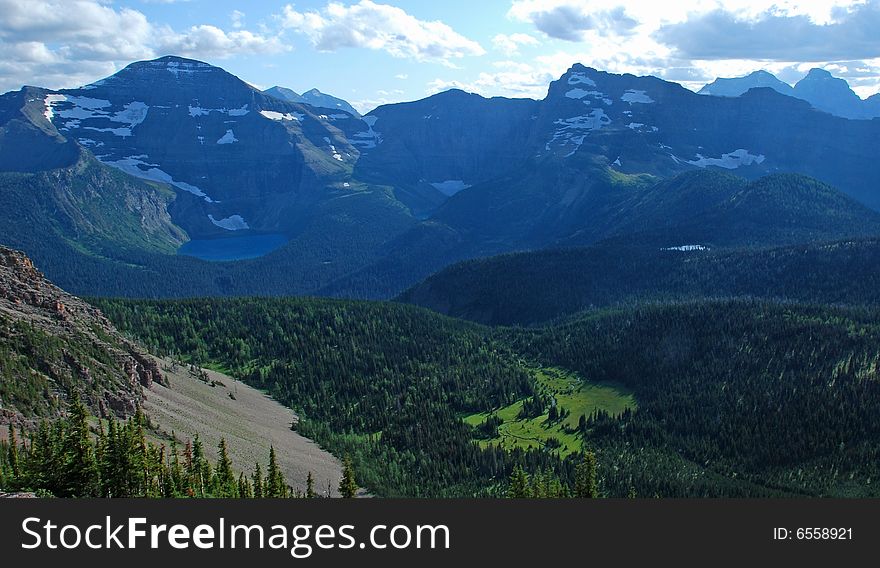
(376, 51)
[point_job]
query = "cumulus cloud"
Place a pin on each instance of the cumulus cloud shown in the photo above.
(721, 34)
(380, 27)
(63, 43)
(506, 79)
(510, 44)
(211, 41)
(571, 20)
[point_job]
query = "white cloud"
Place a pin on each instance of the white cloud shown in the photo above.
(210, 41)
(695, 41)
(402, 76)
(510, 44)
(508, 79)
(237, 18)
(64, 43)
(380, 27)
(571, 20)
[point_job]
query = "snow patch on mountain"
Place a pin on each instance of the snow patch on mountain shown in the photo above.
(228, 138)
(571, 129)
(273, 115)
(369, 138)
(633, 96)
(686, 248)
(233, 223)
(593, 121)
(132, 166)
(132, 114)
(577, 93)
(451, 186)
(48, 102)
(195, 111)
(580, 79)
(730, 161)
(178, 67)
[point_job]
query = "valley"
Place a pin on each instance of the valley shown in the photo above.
(440, 295)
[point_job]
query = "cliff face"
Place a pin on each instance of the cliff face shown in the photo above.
(53, 344)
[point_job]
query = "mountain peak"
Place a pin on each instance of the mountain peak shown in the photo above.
(817, 73)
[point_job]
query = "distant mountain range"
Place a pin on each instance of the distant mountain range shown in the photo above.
(822, 90)
(314, 98)
(103, 184)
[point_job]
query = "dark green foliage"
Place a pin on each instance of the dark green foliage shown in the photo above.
(530, 288)
(586, 484)
(66, 458)
(348, 484)
(743, 398)
(385, 384)
(735, 398)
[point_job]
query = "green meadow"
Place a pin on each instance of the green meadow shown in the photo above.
(572, 394)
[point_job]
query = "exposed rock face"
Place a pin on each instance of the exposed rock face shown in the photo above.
(64, 345)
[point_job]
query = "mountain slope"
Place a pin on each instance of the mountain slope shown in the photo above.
(825, 92)
(313, 97)
(54, 345)
(704, 376)
(535, 287)
(734, 87)
(563, 208)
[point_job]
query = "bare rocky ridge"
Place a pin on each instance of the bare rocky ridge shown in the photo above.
(106, 369)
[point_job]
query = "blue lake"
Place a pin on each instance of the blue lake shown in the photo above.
(233, 248)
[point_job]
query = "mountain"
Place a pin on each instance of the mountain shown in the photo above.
(314, 98)
(537, 287)
(822, 90)
(231, 169)
(53, 345)
(734, 87)
(284, 94)
(286, 198)
(831, 94)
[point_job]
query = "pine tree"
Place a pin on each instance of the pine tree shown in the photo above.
(310, 486)
(519, 484)
(244, 487)
(585, 481)
(257, 481)
(348, 484)
(14, 468)
(226, 485)
(81, 469)
(196, 471)
(275, 485)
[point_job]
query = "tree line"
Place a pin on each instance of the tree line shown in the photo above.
(69, 457)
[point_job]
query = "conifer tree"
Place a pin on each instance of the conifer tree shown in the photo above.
(14, 468)
(519, 484)
(585, 481)
(310, 486)
(257, 482)
(275, 484)
(348, 484)
(244, 487)
(196, 471)
(81, 470)
(226, 485)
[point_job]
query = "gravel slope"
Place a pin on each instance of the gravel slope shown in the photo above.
(250, 424)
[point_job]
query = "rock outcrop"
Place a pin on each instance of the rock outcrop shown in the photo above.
(55, 344)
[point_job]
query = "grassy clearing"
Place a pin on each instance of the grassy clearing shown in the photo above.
(572, 394)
